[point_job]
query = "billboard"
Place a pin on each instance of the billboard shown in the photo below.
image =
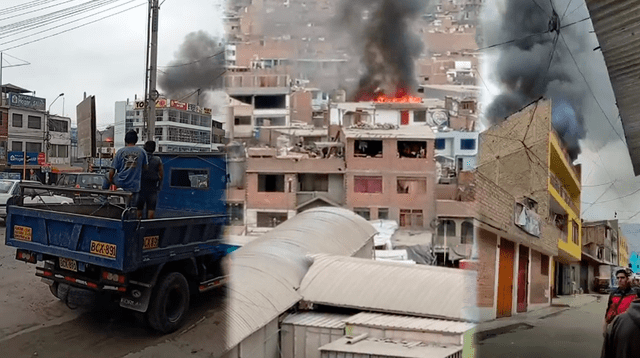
(17, 158)
(86, 116)
(24, 101)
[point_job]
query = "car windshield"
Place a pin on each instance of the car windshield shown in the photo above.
(91, 179)
(5, 186)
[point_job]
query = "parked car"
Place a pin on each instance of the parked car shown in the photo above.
(11, 187)
(82, 180)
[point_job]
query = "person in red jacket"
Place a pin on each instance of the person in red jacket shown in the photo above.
(621, 298)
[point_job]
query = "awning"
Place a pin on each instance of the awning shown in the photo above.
(65, 169)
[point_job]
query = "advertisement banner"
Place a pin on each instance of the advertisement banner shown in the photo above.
(17, 158)
(207, 111)
(192, 107)
(161, 103)
(24, 101)
(178, 105)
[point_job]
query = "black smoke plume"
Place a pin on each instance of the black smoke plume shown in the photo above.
(538, 64)
(198, 64)
(382, 32)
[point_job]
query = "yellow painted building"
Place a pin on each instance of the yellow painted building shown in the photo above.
(623, 250)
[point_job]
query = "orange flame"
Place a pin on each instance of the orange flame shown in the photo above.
(401, 96)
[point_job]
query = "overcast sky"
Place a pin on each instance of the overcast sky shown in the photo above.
(608, 179)
(105, 58)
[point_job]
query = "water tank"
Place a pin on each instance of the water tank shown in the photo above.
(236, 164)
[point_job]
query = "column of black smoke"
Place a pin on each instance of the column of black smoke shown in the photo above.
(198, 64)
(381, 29)
(526, 69)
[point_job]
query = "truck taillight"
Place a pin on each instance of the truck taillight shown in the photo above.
(26, 256)
(114, 277)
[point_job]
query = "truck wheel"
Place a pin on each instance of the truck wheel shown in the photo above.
(54, 289)
(169, 303)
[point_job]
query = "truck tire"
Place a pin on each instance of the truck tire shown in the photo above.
(54, 289)
(169, 303)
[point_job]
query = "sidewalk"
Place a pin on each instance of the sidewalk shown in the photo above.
(528, 320)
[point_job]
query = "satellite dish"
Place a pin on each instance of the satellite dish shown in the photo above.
(439, 118)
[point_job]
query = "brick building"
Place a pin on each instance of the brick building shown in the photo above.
(529, 188)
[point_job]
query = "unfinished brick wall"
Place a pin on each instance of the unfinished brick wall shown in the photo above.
(486, 279)
(539, 282)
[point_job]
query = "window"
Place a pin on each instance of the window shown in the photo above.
(1, 114)
(420, 116)
(190, 178)
(467, 144)
(410, 149)
(364, 212)
(313, 182)
(56, 125)
(16, 146)
(466, 236)
(58, 151)
(410, 218)
(266, 219)
(34, 122)
(544, 265)
(16, 120)
(34, 147)
(371, 185)
(235, 211)
(574, 236)
(368, 148)
(411, 186)
(383, 213)
(440, 144)
(269, 183)
(448, 227)
(242, 121)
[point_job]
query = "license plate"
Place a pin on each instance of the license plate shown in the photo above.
(150, 242)
(68, 264)
(103, 249)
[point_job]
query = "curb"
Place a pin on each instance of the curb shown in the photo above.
(492, 332)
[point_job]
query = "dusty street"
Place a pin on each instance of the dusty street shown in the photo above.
(35, 323)
(576, 332)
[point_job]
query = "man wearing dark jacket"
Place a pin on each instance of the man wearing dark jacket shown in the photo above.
(621, 337)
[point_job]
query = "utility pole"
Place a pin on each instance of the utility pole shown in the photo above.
(152, 56)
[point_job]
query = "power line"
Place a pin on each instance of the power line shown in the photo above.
(67, 23)
(21, 7)
(590, 90)
(193, 62)
(73, 28)
(540, 7)
(565, 10)
(44, 8)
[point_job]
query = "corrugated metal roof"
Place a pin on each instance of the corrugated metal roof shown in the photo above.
(419, 290)
(617, 25)
(403, 132)
(408, 323)
(266, 272)
(317, 319)
(387, 348)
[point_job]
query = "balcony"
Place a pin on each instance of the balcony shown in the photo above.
(557, 232)
(556, 183)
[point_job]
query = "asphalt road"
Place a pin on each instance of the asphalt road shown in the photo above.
(576, 332)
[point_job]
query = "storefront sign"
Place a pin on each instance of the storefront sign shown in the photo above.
(20, 100)
(17, 158)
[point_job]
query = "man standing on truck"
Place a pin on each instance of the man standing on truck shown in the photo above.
(151, 181)
(126, 171)
(621, 298)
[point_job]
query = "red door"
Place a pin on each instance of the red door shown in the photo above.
(505, 279)
(404, 118)
(523, 278)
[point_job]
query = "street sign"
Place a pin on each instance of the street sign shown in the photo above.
(17, 158)
(41, 158)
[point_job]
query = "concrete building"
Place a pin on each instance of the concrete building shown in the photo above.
(180, 126)
(524, 158)
(623, 250)
(28, 127)
(600, 247)
(390, 174)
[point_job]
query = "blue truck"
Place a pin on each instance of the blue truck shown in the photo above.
(89, 251)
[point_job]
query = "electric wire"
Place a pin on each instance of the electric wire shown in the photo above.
(591, 90)
(24, 6)
(565, 10)
(44, 20)
(44, 8)
(73, 28)
(65, 24)
(194, 62)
